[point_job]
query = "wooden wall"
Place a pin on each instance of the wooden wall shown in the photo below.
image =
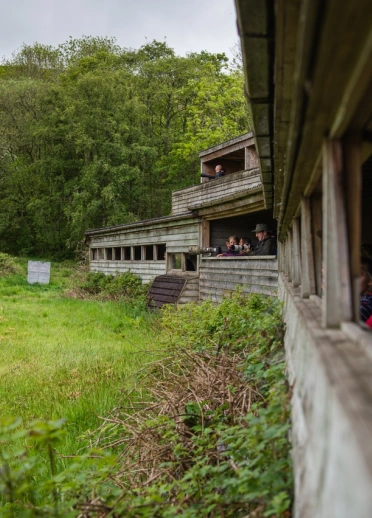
(214, 190)
(331, 411)
(256, 274)
(147, 270)
(178, 235)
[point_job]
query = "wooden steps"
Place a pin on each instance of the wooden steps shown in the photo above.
(173, 289)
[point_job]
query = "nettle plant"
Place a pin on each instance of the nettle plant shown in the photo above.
(208, 438)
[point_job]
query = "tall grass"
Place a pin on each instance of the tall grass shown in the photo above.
(66, 358)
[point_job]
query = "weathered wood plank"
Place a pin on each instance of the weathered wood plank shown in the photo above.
(307, 253)
(337, 290)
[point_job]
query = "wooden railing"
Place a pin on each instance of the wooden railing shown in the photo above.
(219, 190)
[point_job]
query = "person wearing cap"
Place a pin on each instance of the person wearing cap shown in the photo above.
(266, 243)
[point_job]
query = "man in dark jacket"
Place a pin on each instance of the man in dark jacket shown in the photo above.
(266, 243)
(220, 172)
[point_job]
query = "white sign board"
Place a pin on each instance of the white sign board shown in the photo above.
(38, 272)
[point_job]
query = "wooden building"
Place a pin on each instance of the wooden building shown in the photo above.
(203, 215)
(308, 82)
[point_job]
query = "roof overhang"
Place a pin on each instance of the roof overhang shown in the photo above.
(254, 18)
(321, 61)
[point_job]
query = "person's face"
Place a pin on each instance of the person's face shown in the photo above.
(218, 168)
(261, 235)
(232, 242)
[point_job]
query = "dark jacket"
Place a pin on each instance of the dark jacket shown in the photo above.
(265, 247)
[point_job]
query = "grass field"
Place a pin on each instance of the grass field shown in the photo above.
(66, 358)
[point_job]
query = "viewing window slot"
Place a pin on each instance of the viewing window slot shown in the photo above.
(108, 254)
(149, 251)
(126, 253)
(137, 253)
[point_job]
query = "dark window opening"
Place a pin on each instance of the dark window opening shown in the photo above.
(161, 249)
(366, 251)
(191, 263)
(240, 226)
(94, 254)
(108, 254)
(117, 253)
(126, 253)
(149, 250)
(137, 253)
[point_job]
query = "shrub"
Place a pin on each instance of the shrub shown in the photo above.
(125, 286)
(8, 265)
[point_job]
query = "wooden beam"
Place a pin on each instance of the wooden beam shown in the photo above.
(316, 229)
(290, 254)
(307, 255)
(353, 182)
(296, 258)
(337, 291)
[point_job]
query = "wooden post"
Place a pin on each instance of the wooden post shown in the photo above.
(296, 260)
(132, 253)
(353, 182)
(337, 299)
(307, 255)
(289, 254)
(205, 233)
(316, 228)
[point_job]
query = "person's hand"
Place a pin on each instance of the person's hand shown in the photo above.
(219, 255)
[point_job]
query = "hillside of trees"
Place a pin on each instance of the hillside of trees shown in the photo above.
(93, 135)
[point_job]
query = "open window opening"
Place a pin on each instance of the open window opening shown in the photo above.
(366, 242)
(316, 232)
(137, 253)
(126, 253)
(174, 261)
(242, 158)
(241, 226)
(108, 254)
(94, 254)
(149, 252)
(160, 252)
(117, 253)
(191, 263)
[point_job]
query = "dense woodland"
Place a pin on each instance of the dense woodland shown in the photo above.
(93, 135)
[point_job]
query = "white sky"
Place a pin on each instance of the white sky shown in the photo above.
(187, 25)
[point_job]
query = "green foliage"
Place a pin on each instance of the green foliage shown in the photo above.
(94, 135)
(124, 286)
(212, 460)
(8, 265)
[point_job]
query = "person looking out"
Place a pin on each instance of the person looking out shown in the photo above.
(233, 240)
(219, 173)
(266, 243)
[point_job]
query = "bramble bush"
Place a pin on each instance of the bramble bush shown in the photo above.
(209, 438)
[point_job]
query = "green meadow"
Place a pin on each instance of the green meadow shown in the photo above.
(62, 357)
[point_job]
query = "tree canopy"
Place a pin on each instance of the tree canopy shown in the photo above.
(93, 135)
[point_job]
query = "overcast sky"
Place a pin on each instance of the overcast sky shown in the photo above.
(187, 25)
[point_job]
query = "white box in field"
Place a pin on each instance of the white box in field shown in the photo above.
(38, 271)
